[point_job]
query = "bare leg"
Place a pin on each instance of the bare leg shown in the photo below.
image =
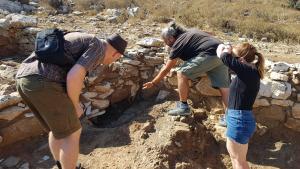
(54, 145)
(225, 96)
(183, 86)
(238, 153)
(69, 150)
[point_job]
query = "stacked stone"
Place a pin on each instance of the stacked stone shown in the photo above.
(122, 80)
(278, 101)
(16, 120)
(17, 34)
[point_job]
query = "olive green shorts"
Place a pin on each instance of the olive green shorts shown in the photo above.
(212, 65)
(50, 104)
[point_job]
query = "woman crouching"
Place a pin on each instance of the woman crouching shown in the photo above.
(248, 65)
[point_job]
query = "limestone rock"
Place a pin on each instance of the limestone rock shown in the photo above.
(296, 77)
(10, 6)
(9, 100)
(279, 76)
(281, 90)
(8, 72)
(280, 67)
(106, 94)
(103, 88)
(265, 88)
(293, 124)
(11, 113)
(24, 128)
(120, 94)
(204, 87)
(126, 70)
(296, 111)
(261, 102)
(100, 104)
(21, 21)
(11, 161)
(153, 61)
(162, 95)
(78, 13)
(131, 62)
(151, 42)
(284, 103)
(270, 116)
(89, 95)
(24, 166)
(275, 89)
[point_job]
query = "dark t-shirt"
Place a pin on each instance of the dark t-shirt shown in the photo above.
(244, 88)
(192, 43)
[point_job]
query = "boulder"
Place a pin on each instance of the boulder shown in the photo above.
(21, 21)
(293, 124)
(284, 103)
(10, 6)
(296, 111)
(11, 161)
(9, 100)
(11, 113)
(261, 103)
(100, 104)
(153, 61)
(103, 88)
(22, 129)
(280, 67)
(151, 42)
(270, 116)
(281, 90)
(279, 76)
(265, 88)
(204, 87)
(120, 94)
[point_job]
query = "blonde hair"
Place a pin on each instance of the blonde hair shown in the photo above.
(248, 52)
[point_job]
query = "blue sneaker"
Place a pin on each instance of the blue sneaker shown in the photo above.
(222, 121)
(180, 110)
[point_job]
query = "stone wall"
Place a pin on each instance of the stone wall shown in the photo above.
(17, 35)
(278, 101)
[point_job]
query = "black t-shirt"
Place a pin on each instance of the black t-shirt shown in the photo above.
(192, 43)
(244, 88)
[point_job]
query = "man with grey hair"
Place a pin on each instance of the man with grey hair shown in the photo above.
(198, 51)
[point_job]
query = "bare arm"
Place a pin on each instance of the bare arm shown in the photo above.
(163, 72)
(75, 80)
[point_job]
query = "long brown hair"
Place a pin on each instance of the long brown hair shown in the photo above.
(248, 52)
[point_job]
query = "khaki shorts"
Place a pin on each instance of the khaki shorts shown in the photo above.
(50, 104)
(212, 65)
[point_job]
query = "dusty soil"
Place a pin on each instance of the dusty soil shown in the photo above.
(144, 136)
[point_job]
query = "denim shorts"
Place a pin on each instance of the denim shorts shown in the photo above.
(240, 125)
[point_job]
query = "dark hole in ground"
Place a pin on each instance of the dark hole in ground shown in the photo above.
(113, 113)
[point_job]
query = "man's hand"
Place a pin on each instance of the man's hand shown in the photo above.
(148, 85)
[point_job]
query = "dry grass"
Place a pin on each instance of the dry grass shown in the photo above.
(254, 18)
(274, 19)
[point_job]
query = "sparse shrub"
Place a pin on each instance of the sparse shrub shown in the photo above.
(55, 3)
(97, 5)
(297, 6)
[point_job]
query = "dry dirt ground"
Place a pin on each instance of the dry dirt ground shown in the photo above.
(143, 136)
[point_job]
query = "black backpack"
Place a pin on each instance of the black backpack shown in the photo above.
(49, 48)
